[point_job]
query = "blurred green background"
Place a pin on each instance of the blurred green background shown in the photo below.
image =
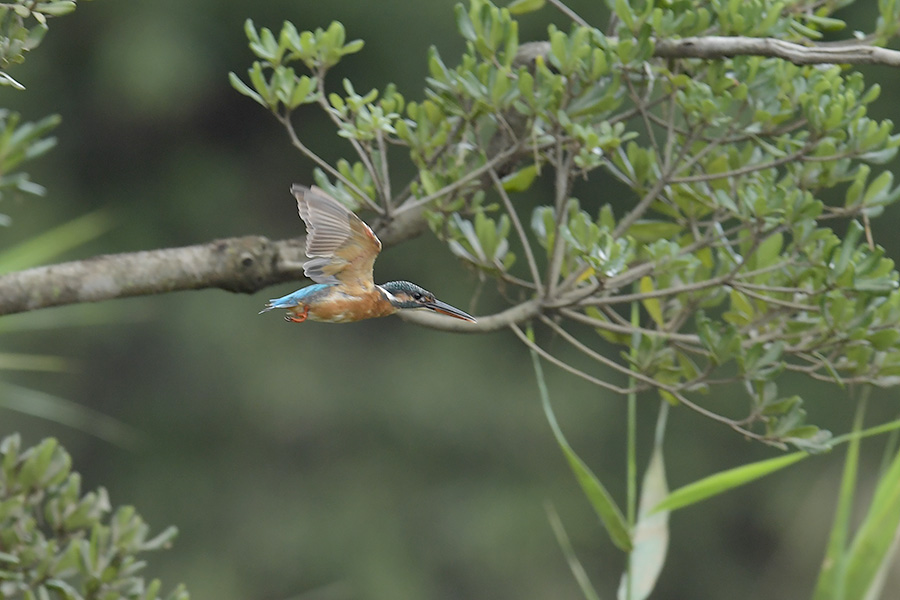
(377, 460)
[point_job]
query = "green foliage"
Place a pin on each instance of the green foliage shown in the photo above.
(39, 249)
(738, 249)
(23, 24)
(272, 83)
(21, 142)
(857, 568)
(56, 542)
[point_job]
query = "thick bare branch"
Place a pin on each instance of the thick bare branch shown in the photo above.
(243, 264)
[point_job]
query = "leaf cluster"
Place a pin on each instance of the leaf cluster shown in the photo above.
(23, 24)
(727, 233)
(57, 542)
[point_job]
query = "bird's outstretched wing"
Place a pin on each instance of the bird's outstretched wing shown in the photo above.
(341, 248)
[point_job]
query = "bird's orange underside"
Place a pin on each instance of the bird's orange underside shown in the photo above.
(344, 310)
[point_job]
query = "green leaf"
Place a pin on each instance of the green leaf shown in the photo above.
(245, 89)
(34, 362)
(725, 480)
(58, 240)
(574, 564)
(624, 12)
(651, 533)
(879, 190)
(520, 7)
(520, 180)
(258, 79)
(66, 412)
(464, 23)
(769, 250)
(652, 305)
(353, 47)
(56, 9)
(873, 546)
(831, 576)
(646, 231)
(429, 182)
(601, 500)
(825, 23)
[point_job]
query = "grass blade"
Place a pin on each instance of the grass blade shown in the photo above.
(601, 500)
(17, 361)
(871, 548)
(578, 571)
(725, 480)
(830, 580)
(651, 534)
(58, 240)
(65, 412)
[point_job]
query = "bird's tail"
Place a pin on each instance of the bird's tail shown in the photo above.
(293, 299)
(283, 302)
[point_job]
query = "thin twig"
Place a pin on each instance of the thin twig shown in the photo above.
(297, 143)
(562, 162)
(596, 355)
(385, 173)
(458, 183)
(564, 365)
(360, 151)
(520, 231)
(778, 302)
(569, 13)
(574, 315)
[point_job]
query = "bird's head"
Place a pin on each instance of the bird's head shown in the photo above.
(404, 294)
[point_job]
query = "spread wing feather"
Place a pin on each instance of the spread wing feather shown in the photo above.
(341, 248)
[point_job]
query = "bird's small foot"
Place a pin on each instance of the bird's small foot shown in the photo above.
(294, 318)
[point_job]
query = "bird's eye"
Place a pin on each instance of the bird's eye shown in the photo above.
(417, 296)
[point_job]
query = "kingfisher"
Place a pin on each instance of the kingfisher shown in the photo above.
(341, 250)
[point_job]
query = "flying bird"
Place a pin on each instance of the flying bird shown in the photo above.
(342, 249)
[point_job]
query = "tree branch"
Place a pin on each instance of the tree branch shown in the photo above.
(242, 264)
(716, 47)
(507, 318)
(245, 264)
(248, 264)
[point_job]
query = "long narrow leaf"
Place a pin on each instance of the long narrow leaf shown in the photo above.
(59, 410)
(601, 500)
(871, 431)
(878, 581)
(651, 534)
(578, 571)
(58, 240)
(725, 480)
(830, 580)
(75, 315)
(14, 361)
(875, 538)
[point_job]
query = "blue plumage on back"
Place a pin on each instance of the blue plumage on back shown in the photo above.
(295, 298)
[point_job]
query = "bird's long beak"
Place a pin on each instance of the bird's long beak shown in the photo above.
(451, 311)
